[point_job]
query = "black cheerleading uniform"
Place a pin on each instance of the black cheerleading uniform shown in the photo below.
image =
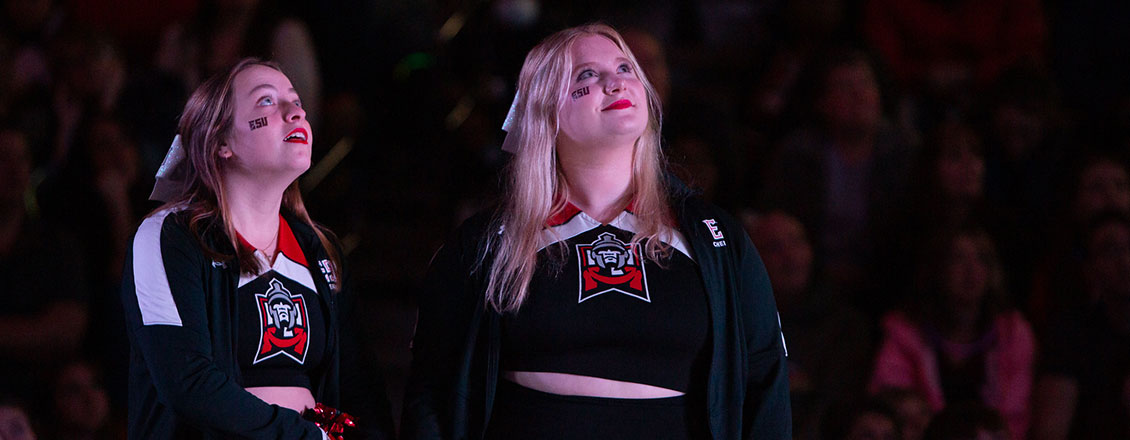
(201, 332)
(282, 335)
(461, 345)
(603, 310)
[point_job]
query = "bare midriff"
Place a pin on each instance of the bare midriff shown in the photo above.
(577, 385)
(295, 398)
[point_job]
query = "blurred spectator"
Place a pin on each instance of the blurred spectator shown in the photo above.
(223, 32)
(863, 420)
(30, 24)
(913, 412)
(947, 47)
(829, 342)
(1103, 185)
(14, 422)
(969, 421)
(842, 173)
(45, 291)
(948, 192)
(27, 28)
(1100, 184)
(81, 406)
(960, 341)
(806, 29)
(1023, 165)
(98, 180)
(1084, 386)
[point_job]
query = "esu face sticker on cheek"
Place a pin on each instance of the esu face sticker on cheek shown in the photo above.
(577, 94)
(258, 123)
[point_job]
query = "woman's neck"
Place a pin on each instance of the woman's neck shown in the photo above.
(254, 210)
(599, 178)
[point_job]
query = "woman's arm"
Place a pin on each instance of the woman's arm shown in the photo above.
(167, 317)
(767, 405)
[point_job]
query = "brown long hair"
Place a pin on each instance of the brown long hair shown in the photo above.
(204, 125)
(536, 184)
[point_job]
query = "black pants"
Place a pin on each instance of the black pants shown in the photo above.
(521, 413)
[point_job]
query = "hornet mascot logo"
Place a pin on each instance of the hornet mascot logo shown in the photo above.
(610, 265)
(282, 317)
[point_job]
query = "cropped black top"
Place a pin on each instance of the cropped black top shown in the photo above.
(282, 326)
(608, 312)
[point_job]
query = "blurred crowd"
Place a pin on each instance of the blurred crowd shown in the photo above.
(938, 188)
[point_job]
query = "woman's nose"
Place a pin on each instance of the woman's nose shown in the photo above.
(614, 85)
(294, 112)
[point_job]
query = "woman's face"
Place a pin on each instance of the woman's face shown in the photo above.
(606, 102)
(270, 136)
(968, 273)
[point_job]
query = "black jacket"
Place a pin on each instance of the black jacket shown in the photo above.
(455, 369)
(184, 379)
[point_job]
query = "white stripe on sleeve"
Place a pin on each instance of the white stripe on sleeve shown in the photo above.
(151, 284)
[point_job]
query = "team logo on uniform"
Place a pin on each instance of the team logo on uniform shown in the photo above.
(610, 265)
(283, 319)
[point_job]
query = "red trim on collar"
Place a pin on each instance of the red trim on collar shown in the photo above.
(570, 210)
(288, 244)
(564, 215)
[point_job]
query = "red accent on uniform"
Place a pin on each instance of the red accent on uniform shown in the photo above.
(570, 210)
(288, 245)
(564, 215)
(270, 341)
(633, 277)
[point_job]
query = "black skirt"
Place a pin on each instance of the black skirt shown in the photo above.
(524, 413)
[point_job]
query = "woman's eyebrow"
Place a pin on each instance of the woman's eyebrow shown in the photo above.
(260, 86)
(619, 60)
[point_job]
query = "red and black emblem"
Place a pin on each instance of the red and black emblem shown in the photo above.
(283, 319)
(610, 265)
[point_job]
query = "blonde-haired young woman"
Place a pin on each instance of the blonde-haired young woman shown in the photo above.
(599, 300)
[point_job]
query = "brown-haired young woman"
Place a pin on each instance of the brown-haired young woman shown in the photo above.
(230, 290)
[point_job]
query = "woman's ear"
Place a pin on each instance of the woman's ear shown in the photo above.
(225, 151)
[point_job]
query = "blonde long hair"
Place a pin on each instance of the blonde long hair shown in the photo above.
(537, 187)
(206, 122)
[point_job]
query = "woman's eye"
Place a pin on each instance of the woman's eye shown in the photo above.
(266, 100)
(624, 68)
(588, 73)
(298, 103)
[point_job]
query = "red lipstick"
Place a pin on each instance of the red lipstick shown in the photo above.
(619, 105)
(297, 136)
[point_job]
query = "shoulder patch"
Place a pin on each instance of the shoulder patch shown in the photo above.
(715, 233)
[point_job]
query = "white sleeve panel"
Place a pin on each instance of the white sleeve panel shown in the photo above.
(151, 284)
